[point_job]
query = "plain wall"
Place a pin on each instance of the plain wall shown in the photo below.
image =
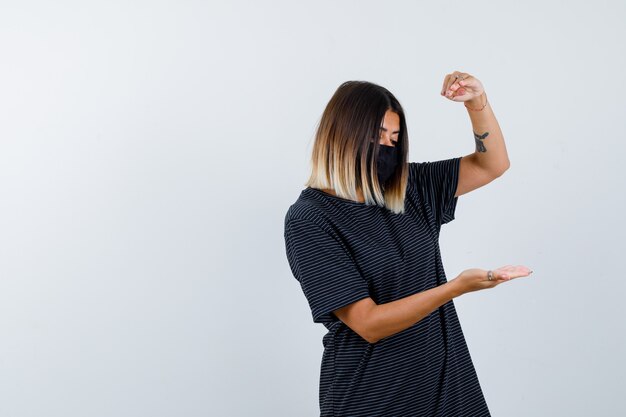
(149, 152)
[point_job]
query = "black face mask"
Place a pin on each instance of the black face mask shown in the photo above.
(386, 163)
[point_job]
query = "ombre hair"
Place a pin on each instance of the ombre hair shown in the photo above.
(346, 146)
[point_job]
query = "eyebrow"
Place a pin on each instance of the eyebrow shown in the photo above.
(385, 129)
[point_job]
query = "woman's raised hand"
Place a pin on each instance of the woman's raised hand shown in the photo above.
(478, 279)
(461, 86)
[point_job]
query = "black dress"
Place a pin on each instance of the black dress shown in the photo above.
(341, 251)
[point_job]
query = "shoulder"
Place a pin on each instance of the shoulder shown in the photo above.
(306, 209)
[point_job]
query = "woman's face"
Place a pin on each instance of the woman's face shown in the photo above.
(390, 129)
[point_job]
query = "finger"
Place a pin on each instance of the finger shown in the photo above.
(450, 79)
(514, 271)
(502, 275)
(456, 75)
(450, 92)
(495, 276)
(458, 91)
(461, 81)
(445, 84)
(454, 91)
(459, 95)
(522, 269)
(469, 82)
(506, 267)
(453, 83)
(454, 86)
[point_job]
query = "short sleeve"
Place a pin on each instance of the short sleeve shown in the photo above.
(436, 182)
(322, 265)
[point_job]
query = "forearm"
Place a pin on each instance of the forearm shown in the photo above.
(390, 318)
(490, 152)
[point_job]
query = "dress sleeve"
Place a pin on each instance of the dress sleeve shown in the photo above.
(436, 183)
(322, 265)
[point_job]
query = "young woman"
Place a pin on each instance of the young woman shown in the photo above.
(363, 241)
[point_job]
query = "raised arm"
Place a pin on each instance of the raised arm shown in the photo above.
(490, 159)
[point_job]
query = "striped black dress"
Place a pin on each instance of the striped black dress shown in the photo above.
(341, 251)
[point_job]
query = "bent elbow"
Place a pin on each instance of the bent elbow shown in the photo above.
(506, 166)
(359, 316)
(502, 170)
(370, 334)
(366, 332)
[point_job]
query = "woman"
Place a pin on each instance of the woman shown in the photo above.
(363, 241)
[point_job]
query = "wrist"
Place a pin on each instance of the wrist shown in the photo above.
(454, 288)
(477, 103)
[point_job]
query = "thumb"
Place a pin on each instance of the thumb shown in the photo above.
(502, 275)
(469, 83)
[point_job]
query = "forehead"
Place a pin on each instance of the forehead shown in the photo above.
(391, 120)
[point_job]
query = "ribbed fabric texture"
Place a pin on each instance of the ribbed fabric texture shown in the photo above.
(341, 251)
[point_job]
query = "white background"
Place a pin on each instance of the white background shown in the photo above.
(149, 151)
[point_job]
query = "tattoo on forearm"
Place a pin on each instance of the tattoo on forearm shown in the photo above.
(480, 146)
